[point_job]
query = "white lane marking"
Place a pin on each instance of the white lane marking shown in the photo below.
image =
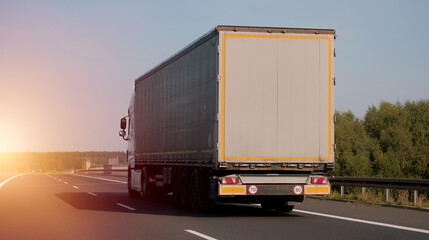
(106, 179)
(75, 187)
(365, 221)
(50, 176)
(93, 194)
(7, 180)
(125, 206)
(65, 182)
(200, 234)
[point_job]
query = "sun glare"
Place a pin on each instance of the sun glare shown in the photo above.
(8, 141)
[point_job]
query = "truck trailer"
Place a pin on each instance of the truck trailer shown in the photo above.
(242, 114)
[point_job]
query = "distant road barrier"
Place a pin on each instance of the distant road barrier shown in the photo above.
(107, 170)
(415, 185)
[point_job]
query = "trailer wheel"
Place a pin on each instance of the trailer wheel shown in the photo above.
(184, 189)
(277, 204)
(132, 193)
(144, 182)
(285, 208)
(195, 192)
(175, 178)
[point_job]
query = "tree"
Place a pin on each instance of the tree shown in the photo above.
(354, 146)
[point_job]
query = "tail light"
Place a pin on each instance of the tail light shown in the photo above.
(230, 180)
(318, 180)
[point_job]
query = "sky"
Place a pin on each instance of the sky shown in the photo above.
(67, 68)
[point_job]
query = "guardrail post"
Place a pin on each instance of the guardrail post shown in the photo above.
(416, 195)
(387, 195)
(342, 190)
(363, 192)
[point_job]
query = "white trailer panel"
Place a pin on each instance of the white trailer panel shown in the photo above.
(276, 97)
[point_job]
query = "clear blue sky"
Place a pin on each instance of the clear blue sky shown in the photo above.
(67, 68)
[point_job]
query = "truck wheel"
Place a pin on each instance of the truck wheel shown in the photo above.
(284, 208)
(175, 178)
(184, 189)
(132, 193)
(195, 192)
(278, 205)
(144, 182)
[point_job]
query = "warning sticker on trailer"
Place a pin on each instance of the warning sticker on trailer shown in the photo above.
(253, 189)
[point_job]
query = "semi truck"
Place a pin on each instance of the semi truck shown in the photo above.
(243, 114)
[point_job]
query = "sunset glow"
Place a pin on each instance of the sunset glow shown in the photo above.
(67, 69)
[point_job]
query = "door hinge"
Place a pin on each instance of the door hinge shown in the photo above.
(219, 77)
(219, 49)
(335, 52)
(334, 81)
(218, 117)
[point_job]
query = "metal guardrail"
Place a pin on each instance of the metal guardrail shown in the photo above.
(391, 183)
(388, 183)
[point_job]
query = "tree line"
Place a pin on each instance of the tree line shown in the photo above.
(54, 161)
(392, 140)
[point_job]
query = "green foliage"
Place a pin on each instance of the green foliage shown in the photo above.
(391, 141)
(354, 146)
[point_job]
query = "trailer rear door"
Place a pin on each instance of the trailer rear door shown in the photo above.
(276, 97)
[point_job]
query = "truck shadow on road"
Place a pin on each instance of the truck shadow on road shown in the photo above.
(108, 202)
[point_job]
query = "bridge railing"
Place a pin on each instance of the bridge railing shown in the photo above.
(414, 185)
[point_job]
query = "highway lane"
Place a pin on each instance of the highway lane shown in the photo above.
(39, 206)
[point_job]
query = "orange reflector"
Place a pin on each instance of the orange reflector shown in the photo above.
(321, 189)
(232, 190)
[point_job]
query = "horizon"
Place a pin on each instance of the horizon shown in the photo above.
(70, 67)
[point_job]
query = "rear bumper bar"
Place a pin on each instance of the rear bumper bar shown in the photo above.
(273, 189)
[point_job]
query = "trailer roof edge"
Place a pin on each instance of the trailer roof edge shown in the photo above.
(274, 29)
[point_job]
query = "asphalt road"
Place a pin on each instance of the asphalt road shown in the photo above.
(60, 206)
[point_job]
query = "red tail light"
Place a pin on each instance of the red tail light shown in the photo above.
(318, 180)
(230, 180)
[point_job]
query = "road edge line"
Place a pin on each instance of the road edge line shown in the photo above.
(199, 234)
(7, 180)
(419, 230)
(106, 179)
(125, 206)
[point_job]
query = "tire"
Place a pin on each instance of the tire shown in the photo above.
(195, 192)
(132, 193)
(277, 205)
(184, 188)
(145, 193)
(175, 178)
(285, 208)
